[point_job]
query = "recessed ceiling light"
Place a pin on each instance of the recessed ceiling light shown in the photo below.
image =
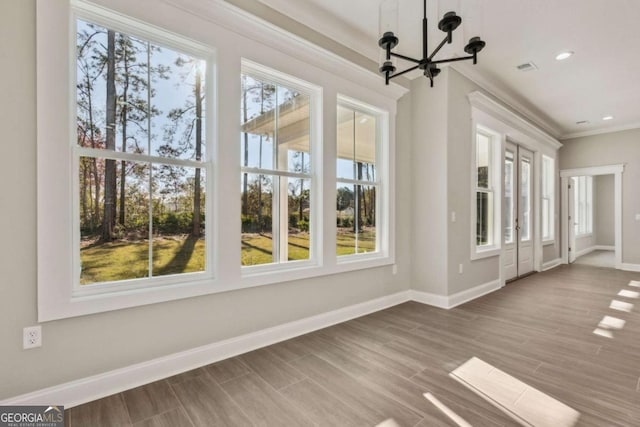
(563, 55)
(607, 118)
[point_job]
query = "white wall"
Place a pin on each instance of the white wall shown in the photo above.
(609, 149)
(79, 347)
(604, 210)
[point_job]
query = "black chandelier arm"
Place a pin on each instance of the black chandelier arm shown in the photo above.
(406, 58)
(403, 72)
(437, 49)
(463, 58)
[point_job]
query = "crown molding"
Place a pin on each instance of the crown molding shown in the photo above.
(498, 111)
(508, 99)
(620, 128)
(255, 28)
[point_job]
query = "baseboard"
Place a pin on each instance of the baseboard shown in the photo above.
(95, 387)
(456, 299)
(629, 267)
(84, 390)
(585, 251)
(440, 301)
(551, 264)
(604, 248)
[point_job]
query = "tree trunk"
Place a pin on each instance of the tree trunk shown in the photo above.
(196, 189)
(245, 194)
(360, 201)
(108, 220)
(123, 123)
(93, 166)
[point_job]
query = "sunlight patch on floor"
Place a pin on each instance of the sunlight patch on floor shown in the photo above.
(603, 333)
(621, 306)
(629, 294)
(609, 322)
(525, 404)
(446, 410)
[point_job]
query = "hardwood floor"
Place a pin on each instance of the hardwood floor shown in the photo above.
(375, 368)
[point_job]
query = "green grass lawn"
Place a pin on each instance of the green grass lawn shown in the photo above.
(129, 259)
(124, 259)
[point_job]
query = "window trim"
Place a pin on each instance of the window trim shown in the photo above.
(495, 177)
(255, 40)
(381, 183)
(60, 295)
(270, 75)
(551, 197)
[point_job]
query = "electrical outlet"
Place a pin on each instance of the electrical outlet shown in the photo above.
(32, 337)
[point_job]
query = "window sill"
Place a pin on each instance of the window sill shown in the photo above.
(548, 242)
(485, 252)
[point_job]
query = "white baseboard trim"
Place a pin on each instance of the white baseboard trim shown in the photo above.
(604, 248)
(84, 390)
(585, 251)
(551, 264)
(629, 267)
(457, 299)
(440, 301)
(87, 389)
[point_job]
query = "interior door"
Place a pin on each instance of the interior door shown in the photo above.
(525, 212)
(571, 222)
(510, 252)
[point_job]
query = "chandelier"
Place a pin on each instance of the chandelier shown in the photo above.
(429, 66)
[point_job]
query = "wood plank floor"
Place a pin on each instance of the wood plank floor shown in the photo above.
(375, 368)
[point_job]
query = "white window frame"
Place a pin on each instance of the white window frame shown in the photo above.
(251, 38)
(314, 92)
(548, 194)
(380, 183)
(495, 188)
(59, 292)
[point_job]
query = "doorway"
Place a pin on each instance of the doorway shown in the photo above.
(579, 237)
(518, 212)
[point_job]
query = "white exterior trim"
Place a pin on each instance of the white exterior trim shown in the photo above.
(551, 264)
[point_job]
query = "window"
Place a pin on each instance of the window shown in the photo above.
(277, 186)
(357, 195)
(486, 214)
(583, 203)
(509, 180)
(548, 199)
(141, 188)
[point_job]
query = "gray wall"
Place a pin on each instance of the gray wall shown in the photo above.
(608, 149)
(460, 148)
(80, 347)
(604, 210)
(429, 192)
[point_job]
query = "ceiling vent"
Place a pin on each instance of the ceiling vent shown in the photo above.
(528, 66)
(582, 122)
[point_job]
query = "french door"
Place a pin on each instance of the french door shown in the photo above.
(518, 211)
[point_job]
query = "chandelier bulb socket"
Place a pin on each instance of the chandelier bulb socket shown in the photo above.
(388, 41)
(449, 22)
(387, 67)
(474, 46)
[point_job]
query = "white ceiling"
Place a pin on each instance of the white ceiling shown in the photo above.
(602, 78)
